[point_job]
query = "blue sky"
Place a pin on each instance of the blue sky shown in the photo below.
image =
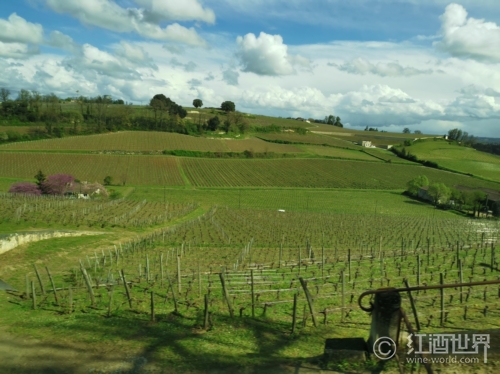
(430, 65)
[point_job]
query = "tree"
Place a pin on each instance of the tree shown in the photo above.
(27, 188)
(417, 132)
(439, 193)
(4, 95)
(213, 123)
(330, 120)
(406, 130)
(416, 184)
(108, 180)
(40, 177)
(228, 106)
(57, 184)
(338, 123)
(197, 103)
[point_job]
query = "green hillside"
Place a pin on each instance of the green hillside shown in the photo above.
(459, 158)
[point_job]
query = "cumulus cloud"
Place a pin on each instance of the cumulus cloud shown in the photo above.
(59, 40)
(175, 10)
(17, 50)
(135, 55)
(209, 77)
(174, 48)
(362, 67)
(17, 30)
(188, 67)
(193, 83)
(109, 15)
(92, 60)
(267, 55)
(230, 76)
(468, 37)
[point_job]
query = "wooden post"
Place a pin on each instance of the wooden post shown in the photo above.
(461, 279)
(281, 254)
(161, 265)
(173, 292)
(28, 285)
(294, 313)
(226, 295)
(349, 262)
(199, 280)
(88, 283)
(343, 295)
(322, 261)
(253, 293)
(70, 299)
(53, 285)
(441, 281)
(127, 291)
(418, 273)
(205, 319)
(413, 308)
(42, 288)
(309, 300)
(492, 256)
(152, 306)
(33, 295)
(300, 259)
(179, 273)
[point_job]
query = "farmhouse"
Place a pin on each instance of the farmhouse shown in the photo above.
(85, 190)
(423, 193)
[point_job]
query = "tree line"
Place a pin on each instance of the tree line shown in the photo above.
(441, 195)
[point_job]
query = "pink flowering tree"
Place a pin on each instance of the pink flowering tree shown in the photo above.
(57, 184)
(27, 188)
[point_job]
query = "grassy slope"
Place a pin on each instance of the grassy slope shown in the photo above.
(455, 157)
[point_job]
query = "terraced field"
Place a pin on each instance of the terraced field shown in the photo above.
(455, 157)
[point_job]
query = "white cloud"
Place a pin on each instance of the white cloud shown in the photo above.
(135, 55)
(17, 30)
(17, 50)
(267, 55)
(391, 69)
(94, 61)
(175, 10)
(59, 40)
(468, 37)
(109, 15)
(230, 76)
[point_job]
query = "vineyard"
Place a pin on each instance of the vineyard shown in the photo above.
(125, 169)
(246, 264)
(339, 153)
(48, 211)
(310, 139)
(317, 173)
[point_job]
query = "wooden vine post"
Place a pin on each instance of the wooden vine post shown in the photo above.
(226, 294)
(309, 300)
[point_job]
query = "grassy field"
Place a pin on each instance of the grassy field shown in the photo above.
(455, 157)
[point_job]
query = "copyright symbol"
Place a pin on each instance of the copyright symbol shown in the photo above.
(384, 348)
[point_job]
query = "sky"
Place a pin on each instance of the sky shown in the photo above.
(429, 65)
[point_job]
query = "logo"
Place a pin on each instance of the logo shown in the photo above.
(384, 348)
(458, 344)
